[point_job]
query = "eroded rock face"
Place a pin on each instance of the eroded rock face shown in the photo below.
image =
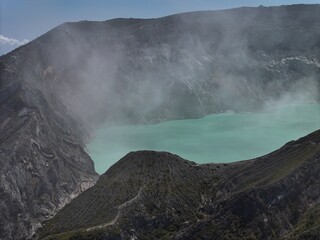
(158, 195)
(42, 157)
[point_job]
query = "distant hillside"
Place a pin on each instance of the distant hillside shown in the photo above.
(181, 66)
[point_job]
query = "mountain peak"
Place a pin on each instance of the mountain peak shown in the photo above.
(147, 159)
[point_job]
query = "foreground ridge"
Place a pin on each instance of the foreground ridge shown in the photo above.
(165, 196)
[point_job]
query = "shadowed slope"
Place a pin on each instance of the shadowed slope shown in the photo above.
(157, 195)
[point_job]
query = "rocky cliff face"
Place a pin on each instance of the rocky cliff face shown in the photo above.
(55, 90)
(157, 195)
(42, 157)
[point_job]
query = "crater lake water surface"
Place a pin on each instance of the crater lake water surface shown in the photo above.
(224, 137)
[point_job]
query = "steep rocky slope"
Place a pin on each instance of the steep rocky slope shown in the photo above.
(42, 157)
(55, 90)
(157, 195)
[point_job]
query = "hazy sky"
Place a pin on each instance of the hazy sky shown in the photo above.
(23, 20)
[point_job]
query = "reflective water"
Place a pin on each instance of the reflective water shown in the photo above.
(224, 137)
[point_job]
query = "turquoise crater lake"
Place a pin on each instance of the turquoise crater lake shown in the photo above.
(224, 137)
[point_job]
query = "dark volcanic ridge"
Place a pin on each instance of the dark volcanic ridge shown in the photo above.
(57, 89)
(158, 195)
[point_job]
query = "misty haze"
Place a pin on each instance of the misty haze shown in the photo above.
(198, 125)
